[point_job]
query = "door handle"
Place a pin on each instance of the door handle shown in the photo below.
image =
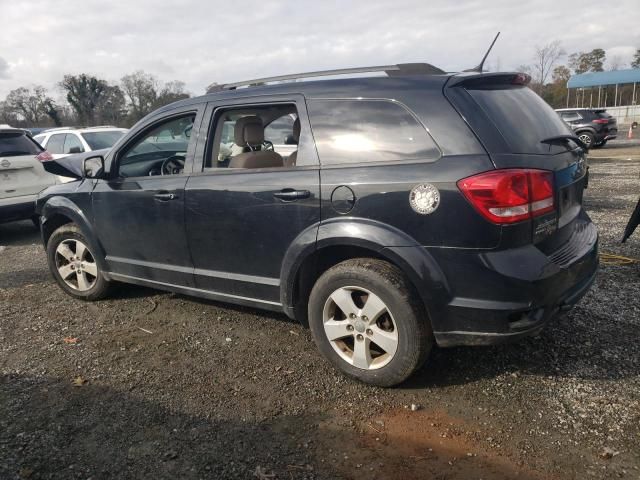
(165, 196)
(289, 194)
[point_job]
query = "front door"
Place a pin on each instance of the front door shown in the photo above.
(248, 202)
(139, 209)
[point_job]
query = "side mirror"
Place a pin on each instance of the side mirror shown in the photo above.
(290, 140)
(93, 167)
(75, 150)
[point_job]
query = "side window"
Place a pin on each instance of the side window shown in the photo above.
(159, 151)
(72, 144)
(55, 144)
(570, 117)
(356, 131)
(254, 137)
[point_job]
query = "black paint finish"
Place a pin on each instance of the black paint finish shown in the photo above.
(248, 236)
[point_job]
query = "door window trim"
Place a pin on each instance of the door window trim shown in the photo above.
(210, 123)
(196, 110)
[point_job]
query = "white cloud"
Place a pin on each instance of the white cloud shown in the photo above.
(200, 42)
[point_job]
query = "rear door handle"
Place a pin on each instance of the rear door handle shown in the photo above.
(165, 196)
(289, 194)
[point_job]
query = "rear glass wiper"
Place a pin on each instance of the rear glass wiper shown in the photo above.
(565, 139)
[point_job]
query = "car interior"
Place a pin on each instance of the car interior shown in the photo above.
(160, 151)
(257, 137)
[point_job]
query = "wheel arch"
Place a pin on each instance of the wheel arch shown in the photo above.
(59, 211)
(343, 239)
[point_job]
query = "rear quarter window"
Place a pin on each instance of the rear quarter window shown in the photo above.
(522, 117)
(359, 131)
(13, 144)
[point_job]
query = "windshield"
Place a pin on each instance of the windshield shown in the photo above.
(523, 118)
(17, 143)
(100, 140)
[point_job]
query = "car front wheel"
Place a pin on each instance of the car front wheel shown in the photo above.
(367, 321)
(73, 264)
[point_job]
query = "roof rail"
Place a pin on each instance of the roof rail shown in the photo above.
(391, 70)
(100, 126)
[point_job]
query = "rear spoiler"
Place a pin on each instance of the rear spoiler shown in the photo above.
(479, 80)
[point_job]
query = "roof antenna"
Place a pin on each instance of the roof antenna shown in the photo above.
(481, 65)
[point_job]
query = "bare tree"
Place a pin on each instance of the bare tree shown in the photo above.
(545, 58)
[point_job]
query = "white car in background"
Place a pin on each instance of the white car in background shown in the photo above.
(22, 175)
(63, 141)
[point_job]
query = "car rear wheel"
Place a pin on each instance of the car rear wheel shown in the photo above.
(366, 319)
(73, 264)
(587, 138)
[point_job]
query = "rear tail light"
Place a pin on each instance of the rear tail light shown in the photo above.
(601, 121)
(44, 156)
(510, 195)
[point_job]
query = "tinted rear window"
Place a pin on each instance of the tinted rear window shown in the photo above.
(100, 140)
(14, 144)
(356, 131)
(523, 118)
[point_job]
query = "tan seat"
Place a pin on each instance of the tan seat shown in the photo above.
(249, 132)
(291, 159)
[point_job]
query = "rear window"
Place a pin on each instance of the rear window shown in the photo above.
(17, 143)
(523, 118)
(100, 140)
(357, 131)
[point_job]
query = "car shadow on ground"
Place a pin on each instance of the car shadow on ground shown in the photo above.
(53, 428)
(18, 233)
(566, 348)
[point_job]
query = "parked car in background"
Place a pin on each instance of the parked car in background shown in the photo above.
(22, 175)
(413, 211)
(594, 126)
(66, 141)
(36, 130)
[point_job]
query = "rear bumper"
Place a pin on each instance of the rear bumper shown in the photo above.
(17, 208)
(503, 296)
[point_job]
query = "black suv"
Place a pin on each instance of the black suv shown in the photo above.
(418, 208)
(594, 126)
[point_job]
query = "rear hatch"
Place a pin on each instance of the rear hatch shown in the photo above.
(521, 131)
(21, 173)
(610, 123)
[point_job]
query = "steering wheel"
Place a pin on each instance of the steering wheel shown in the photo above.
(172, 165)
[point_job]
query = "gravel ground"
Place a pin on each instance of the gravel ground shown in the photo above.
(156, 385)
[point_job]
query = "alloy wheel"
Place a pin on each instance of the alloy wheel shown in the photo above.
(360, 328)
(76, 266)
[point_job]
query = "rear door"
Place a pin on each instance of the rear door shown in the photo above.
(241, 221)
(21, 173)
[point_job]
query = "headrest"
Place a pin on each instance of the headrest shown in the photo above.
(248, 131)
(296, 130)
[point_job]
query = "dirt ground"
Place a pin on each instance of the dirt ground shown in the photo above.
(156, 385)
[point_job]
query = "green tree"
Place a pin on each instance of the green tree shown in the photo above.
(29, 105)
(86, 94)
(592, 61)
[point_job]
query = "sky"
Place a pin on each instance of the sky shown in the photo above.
(202, 41)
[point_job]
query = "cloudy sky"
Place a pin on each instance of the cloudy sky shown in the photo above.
(201, 41)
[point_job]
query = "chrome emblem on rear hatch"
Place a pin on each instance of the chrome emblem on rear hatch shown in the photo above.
(5, 163)
(424, 198)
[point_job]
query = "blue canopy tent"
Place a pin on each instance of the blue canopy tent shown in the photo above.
(590, 80)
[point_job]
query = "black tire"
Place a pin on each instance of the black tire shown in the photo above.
(587, 138)
(99, 289)
(415, 338)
